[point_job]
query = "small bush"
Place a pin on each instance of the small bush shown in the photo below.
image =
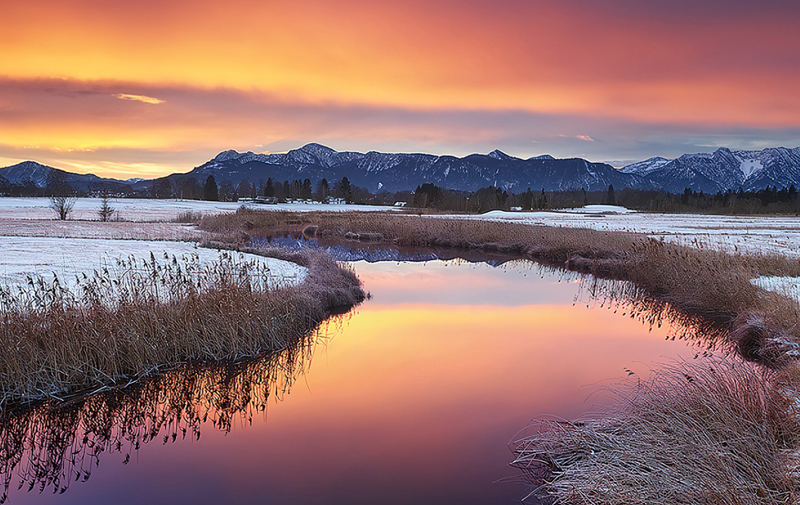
(189, 217)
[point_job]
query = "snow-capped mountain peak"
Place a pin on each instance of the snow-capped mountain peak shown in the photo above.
(226, 155)
(499, 155)
(645, 167)
(725, 169)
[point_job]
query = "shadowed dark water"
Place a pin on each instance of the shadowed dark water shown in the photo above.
(411, 399)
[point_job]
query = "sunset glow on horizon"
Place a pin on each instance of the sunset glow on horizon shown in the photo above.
(113, 87)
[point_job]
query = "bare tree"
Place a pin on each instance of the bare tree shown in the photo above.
(61, 196)
(62, 205)
(106, 211)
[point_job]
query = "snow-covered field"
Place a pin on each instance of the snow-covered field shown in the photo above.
(762, 234)
(96, 229)
(139, 210)
(143, 220)
(787, 286)
(70, 257)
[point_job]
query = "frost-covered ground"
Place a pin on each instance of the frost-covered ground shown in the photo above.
(746, 234)
(70, 257)
(130, 209)
(787, 286)
(96, 229)
(146, 219)
(761, 234)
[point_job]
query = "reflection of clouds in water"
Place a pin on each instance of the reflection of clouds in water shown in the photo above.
(513, 284)
(396, 275)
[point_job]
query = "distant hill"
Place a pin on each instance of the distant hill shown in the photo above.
(30, 173)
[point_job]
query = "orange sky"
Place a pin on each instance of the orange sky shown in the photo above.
(148, 87)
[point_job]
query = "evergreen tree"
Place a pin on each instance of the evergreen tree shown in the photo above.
(210, 190)
(106, 211)
(343, 190)
(323, 190)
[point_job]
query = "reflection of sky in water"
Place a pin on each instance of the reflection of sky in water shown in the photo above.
(460, 283)
(413, 401)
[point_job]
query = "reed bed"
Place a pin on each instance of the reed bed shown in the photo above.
(699, 281)
(701, 433)
(717, 431)
(130, 321)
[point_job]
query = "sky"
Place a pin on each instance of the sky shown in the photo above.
(149, 87)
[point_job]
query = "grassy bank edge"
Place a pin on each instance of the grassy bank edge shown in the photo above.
(63, 348)
(744, 416)
(708, 283)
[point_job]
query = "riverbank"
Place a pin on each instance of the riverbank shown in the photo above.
(697, 411)
(139, 316)
(711, 284)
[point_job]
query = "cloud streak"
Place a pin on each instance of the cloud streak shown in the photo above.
(75, 124)
(139, 98)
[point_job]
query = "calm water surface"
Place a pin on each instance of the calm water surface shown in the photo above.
(412, 399)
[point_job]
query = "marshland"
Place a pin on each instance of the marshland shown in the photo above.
(606, 367)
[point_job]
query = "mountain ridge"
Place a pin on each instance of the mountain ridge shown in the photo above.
(721, 170)
(724, 169)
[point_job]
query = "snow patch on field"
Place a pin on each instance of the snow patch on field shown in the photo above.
(787, 286)
(136, 209)
(745, 234)
(600, 209)
(71, 257)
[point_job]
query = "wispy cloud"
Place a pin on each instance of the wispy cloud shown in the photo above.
(56, 121)
(140, 98)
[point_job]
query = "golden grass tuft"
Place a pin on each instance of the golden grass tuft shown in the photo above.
(703, 433)
(149, 315)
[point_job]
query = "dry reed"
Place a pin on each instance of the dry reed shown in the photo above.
(50, 445)
(699, 281)
(114, 326)
(703, 433)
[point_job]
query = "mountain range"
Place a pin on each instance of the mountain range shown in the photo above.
(709, 172)
(722, 170)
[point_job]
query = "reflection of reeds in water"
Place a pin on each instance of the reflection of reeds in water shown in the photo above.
(152, 314)
(50, 445)
(629, 300)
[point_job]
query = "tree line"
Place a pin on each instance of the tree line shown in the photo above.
(785, 200)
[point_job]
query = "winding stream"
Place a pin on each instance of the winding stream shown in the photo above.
(412, 398)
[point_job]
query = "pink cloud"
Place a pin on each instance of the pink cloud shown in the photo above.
(140, 98)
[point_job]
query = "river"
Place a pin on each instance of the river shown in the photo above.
(412, 398)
